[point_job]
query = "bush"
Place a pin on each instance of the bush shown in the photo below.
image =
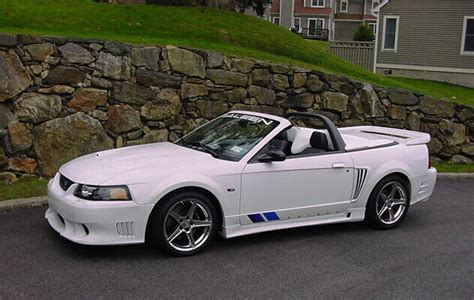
(364, 33)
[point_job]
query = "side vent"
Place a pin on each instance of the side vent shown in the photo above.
(125, 229)
(359, 180)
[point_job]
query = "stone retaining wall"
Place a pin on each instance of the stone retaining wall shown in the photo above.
(62, 98)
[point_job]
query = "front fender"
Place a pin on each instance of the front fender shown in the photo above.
(152, 193)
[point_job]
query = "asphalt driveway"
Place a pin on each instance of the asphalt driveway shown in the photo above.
(430, 256)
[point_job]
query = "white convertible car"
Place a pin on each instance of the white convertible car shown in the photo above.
(241, 173)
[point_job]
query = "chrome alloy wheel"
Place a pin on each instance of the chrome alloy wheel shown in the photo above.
(391, 203)
(188, 225)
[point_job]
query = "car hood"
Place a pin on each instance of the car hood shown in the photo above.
(136, 164)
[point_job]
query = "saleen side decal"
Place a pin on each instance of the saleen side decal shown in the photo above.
(267, 216)
(256, 218)
(271, 216)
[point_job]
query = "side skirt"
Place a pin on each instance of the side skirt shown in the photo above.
(353, 215)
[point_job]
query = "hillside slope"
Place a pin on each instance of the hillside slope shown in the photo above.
(224, 31)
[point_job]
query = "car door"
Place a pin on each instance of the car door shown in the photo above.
(297, 188)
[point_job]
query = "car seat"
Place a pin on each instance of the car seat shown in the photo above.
(281, 142)
(319, 143)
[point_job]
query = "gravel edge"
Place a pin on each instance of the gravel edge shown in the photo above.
(16, 204)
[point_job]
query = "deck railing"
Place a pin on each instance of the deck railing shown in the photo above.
(314, 33)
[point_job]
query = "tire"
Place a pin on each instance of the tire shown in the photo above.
(388, 203)
(183, 224)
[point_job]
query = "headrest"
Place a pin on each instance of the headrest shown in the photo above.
(301, 141)
(319, 140)
(292, 133)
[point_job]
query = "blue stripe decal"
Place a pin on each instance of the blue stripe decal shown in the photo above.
(271, 216)
(256, 218)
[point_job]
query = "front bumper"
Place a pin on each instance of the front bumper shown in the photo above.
(95, 222)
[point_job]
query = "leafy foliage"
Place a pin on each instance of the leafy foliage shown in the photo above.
(364, 33)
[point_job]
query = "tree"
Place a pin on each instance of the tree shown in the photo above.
(257, 5)
(364, 33)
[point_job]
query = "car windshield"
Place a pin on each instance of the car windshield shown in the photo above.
(229, 137)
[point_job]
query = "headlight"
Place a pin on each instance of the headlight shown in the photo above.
(103, 193)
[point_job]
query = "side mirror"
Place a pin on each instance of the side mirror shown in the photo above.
(272, 155)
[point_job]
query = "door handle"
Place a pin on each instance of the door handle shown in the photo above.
(338, 165)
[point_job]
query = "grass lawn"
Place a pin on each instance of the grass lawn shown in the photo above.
(219, 30)
(455, 93)
(24, 188)
(454, 168)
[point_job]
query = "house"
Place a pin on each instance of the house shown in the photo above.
(340, 18)
(350, 14)
(426, 39)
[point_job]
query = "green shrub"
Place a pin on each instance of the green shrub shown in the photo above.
(364, 33)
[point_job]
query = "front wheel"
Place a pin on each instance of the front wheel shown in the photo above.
(183, 224)
(388, 203)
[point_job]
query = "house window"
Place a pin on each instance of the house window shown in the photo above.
(314, 25)
(375, 4)
(297, 24)
(317, 3)
(344, 5)
(373, 26)
(320, 24)
(276, 20)
(390, 33)
(468, 36)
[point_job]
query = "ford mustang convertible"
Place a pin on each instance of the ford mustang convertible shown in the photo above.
(241, 173)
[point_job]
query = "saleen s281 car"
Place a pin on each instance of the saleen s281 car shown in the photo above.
(239, 174)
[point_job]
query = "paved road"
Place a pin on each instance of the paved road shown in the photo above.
(430, 256)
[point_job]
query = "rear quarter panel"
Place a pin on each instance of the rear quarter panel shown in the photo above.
(411, 161)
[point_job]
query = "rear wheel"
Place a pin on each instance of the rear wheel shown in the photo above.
(183, 224)
(388, 203)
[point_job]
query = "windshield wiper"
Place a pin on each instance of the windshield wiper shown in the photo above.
(204, 148)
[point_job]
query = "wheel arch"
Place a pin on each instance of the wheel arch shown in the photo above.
(215, 201)
(399, 174)
(378, 172)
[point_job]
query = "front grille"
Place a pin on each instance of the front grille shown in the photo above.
(64, 182)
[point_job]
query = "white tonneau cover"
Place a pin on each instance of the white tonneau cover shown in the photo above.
(366, 137)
